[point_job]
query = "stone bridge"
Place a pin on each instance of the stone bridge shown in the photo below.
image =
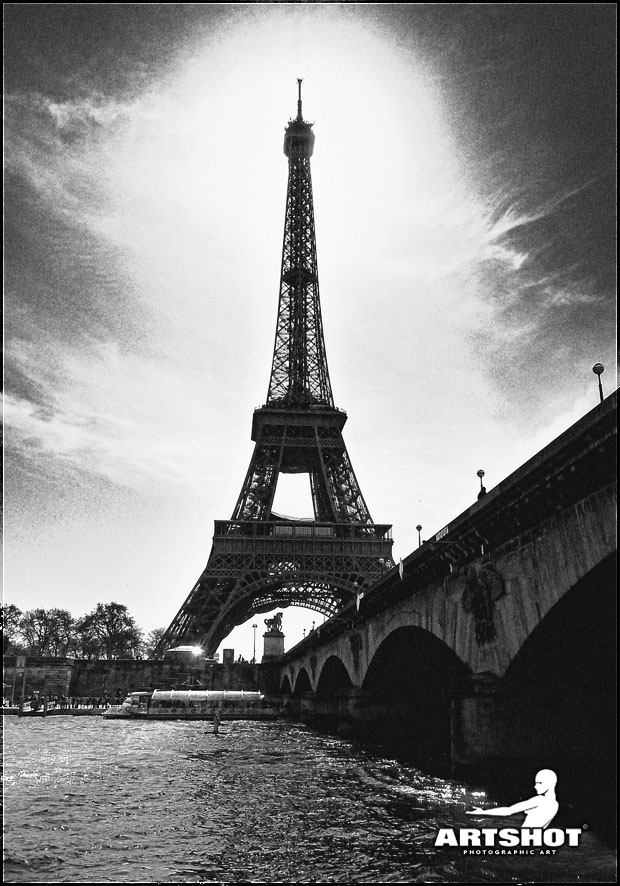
(496, 638)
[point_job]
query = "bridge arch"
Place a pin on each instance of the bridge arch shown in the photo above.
(285, 686)
(557, 701)
(558, 693)
(333, 678)
(302, 683)
(574, 643)
(412, 661)
(412, 679)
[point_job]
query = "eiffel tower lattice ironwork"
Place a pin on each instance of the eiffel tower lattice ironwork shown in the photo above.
(260, 560)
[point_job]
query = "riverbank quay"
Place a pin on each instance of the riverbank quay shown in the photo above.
(24, 676)
(53, 710)
(15, 712)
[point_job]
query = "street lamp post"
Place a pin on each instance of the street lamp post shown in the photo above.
(419, 528)
(254, 655)
(598, 369)
(483, 491)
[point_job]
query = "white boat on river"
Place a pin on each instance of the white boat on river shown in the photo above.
(193, 704)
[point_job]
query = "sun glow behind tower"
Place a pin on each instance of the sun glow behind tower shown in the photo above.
(462, 150)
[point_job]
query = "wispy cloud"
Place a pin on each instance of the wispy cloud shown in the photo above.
(102, 418)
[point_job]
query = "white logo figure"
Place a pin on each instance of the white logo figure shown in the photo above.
(539, 810)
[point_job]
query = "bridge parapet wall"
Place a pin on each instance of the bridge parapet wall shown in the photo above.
(483, 584)
(530, 573)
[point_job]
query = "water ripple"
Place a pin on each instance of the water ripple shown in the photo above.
(89, 801)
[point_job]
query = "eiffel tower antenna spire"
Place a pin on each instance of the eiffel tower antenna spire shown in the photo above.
(261, 560)
(299, 115)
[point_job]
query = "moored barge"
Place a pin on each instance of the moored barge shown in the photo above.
(193, 704)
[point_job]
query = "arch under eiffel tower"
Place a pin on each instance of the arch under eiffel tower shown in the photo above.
(260, 560)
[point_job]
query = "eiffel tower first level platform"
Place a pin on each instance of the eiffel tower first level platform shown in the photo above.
(260, 560)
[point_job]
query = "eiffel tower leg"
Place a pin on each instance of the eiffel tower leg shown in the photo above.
(257, 494)
(259, 561)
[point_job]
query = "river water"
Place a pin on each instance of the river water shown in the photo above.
(89, 800)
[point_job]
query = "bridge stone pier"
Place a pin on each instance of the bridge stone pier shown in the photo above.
(495, 640)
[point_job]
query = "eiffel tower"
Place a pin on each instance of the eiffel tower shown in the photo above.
(261, 560)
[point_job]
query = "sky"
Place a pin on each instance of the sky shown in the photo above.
(464, 190)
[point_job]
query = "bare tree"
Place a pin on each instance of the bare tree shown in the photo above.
(34, 627)
(62, 632)
(11, 617)
(47, 631)
(152, 640)
(109, 632)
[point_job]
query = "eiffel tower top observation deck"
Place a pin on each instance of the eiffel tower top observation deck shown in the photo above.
(261, 560)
